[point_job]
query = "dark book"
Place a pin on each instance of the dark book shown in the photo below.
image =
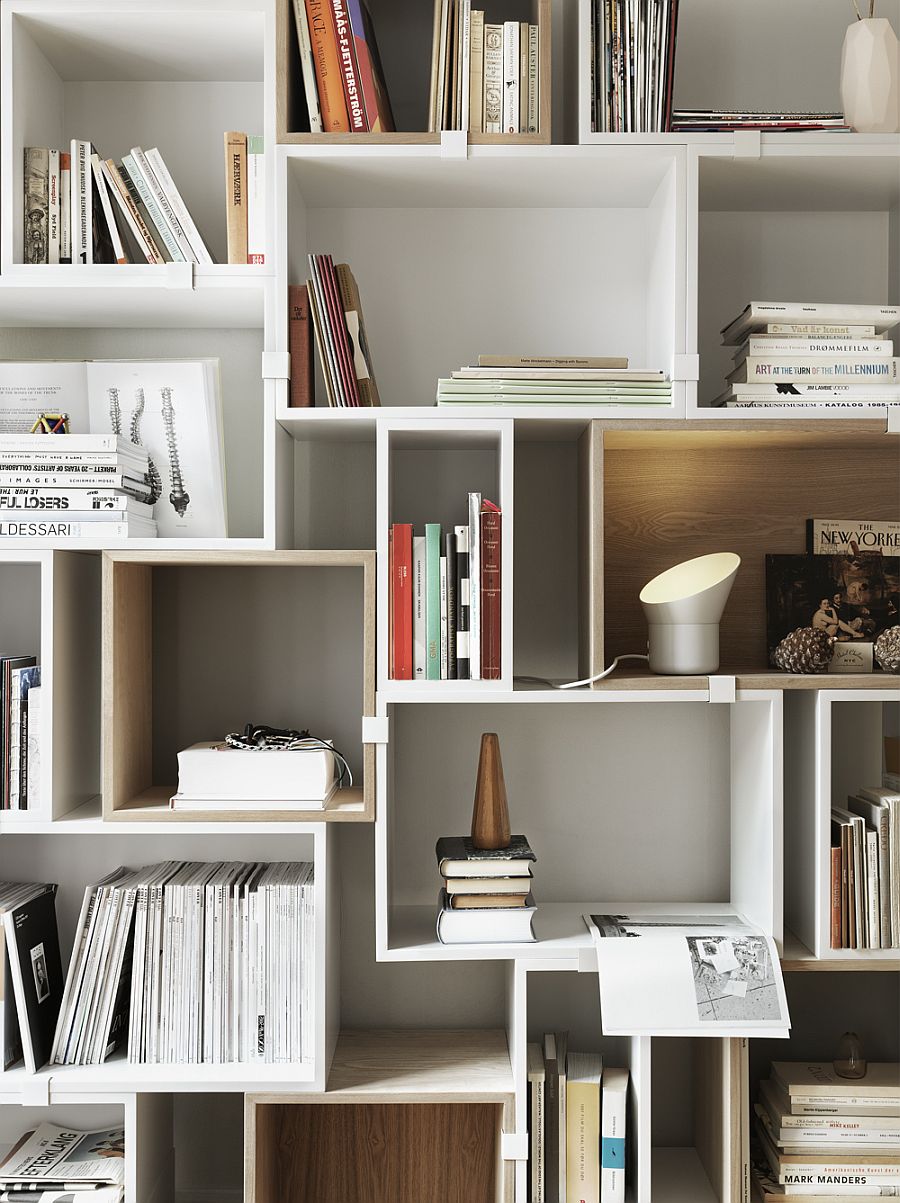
(300, 346)
(555, 1049)
(490, 591)
(32, 945)
(461, 535)
(458, 857)
(7, 664)
(29, 677)
(103, 249)
(450, 555)
(11, 1051)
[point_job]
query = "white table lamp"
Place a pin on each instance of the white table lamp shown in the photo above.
(683, 606)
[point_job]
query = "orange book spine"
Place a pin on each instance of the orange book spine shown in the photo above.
(836, 875)
(323, 36)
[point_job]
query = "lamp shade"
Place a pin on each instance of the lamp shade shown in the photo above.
(683, 606)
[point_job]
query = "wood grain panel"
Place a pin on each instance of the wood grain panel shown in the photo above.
(379, 1153)
(665, 505)
(127, 671)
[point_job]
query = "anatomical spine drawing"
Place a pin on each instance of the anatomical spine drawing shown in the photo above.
(178, 496)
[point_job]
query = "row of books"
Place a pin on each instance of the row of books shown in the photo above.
(328, 308)
(819, 1135)
(81, 208)
(343, 79)
(444, 598)
(191, 962)
(20, 731)
(724, 120)
(107, 495)
(633, 50)
(49, 1164)
(553, 380)
(577, 1122)
(798, 354)
(486, 894)
(865, 870)
(485, 76)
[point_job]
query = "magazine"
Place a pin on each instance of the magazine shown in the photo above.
(60, 1157)
(31, 1194)
(687, 975)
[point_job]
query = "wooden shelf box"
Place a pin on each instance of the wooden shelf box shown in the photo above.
(199, 644)
(404, 32)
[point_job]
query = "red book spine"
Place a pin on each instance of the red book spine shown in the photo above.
(338, 324)
(490, 591)
(402, 612)
(300, 347)
(391, 603)
(353, 95)
(836, 876)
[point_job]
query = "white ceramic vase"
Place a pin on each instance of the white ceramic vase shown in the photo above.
(870, 88)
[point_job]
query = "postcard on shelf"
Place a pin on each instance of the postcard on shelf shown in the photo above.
(687, 975)
(850, 536)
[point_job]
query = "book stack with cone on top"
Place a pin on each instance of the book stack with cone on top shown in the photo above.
(554, 380)
(826, 1137)
(486, 894)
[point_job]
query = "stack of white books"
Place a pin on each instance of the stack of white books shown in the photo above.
(554, 380)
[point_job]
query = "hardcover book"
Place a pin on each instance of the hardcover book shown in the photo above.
(458, 857)
(32, 945)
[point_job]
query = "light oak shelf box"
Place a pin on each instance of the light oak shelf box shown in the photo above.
(404, 32)
(194, 634)
(406, 1116)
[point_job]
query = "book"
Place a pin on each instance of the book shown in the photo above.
(476, 71)
(765, 368)
(856, 877)
(54, 233)
(379, 116)
(65, 206)
(326, 60)
(548, 376)
(890, 798)
(511, 69)
(448, 567)
(178, 212)
(493, 79)
(464, 10)
(213, 770)
(127, 206)
(555, 1050)
(583, 1075)
(474, 590)
(536, 1078)
(360, 353)
(132, 173)
(101, 194)
(36, 207)
(461, 536)
(844, 1130)
(878, 816)
(458, 857)
(758, 314)
(32, 945)
(445, 629)
(302, 390)
(432, 601)
(490, 591)
(523, 77)
(849, 536)
(9, 664)
(532, 108)
(402, 611)
(555, 363)
(817, 1081)
(81, 204)
(836, 880)
(768, 345)
(819, 330)
(349, 69)
(471, 902)
(236, 195)
(307, 66)
(488, 885)
(166, 209)
(501, 925)
(613, 1135)
(419, 602)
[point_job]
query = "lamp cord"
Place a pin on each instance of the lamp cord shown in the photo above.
(587, 680)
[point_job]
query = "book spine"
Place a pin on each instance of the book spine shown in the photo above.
(256, 199)
(82, 202)
(819, 330)
(490, 592)
(475, 586)
(836, 876)
(62, 529)
(176, 210)
(130, 211)
(353, 95)
(402, 570)
(124, 182)
(523, 76)
(89, 478)
(444, 616)
(552, 1133)
(64, 500)
(465, 48)
(53, 210)
(340, 332)
(23, 753)
(612, 1146)
(433, 601)
(14, 733)
(351, 307)
(888, 884)
(511, 67)
(148, 200)
(871, 370)
(328, 68)
(534, 94)
(65, 207)
(812, 348)
(461, 534)
(582, 1142)
(36, 208)
(450, 557)
(109, 221)
(493, 79)
(873, 901)
(307, 66)
(420, 629)
(537, 1141)
(392, 596)
(476, 71)
(300, 346)
(165, 206)
(236, 195)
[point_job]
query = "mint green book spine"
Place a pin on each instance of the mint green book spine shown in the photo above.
(433, 601)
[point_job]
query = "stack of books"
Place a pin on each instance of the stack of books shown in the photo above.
(445, 598)
(791, 355)
(865, 870)
(634, 65)
(486, 896)
(820, 1135)
(577, 1122)
(198, 962)
(53, 1165)
(80, 208)
(554, 380)
(32, 980)
(484, 76)
(71, 486)
(245, 197)
(723, 120)
(342, 75)
(331, 298)
(20, 731)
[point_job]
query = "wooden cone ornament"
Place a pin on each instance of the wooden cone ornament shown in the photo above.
(490, 814)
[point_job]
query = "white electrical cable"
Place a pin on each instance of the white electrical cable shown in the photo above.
(587, 680)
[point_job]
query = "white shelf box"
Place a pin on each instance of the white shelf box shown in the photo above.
(35, 857)
(425, 471)
(131, 75)
(696, 823)
(501, 251)
(146, 1119)
(819, 218)
(833, 747)
(50, 610)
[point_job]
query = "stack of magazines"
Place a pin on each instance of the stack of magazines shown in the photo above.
(554, 380)
(633, 43)
(724, 120)
(57, 1165)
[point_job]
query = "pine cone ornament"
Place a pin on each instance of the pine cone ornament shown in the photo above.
(805, 650)
(887, 650)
